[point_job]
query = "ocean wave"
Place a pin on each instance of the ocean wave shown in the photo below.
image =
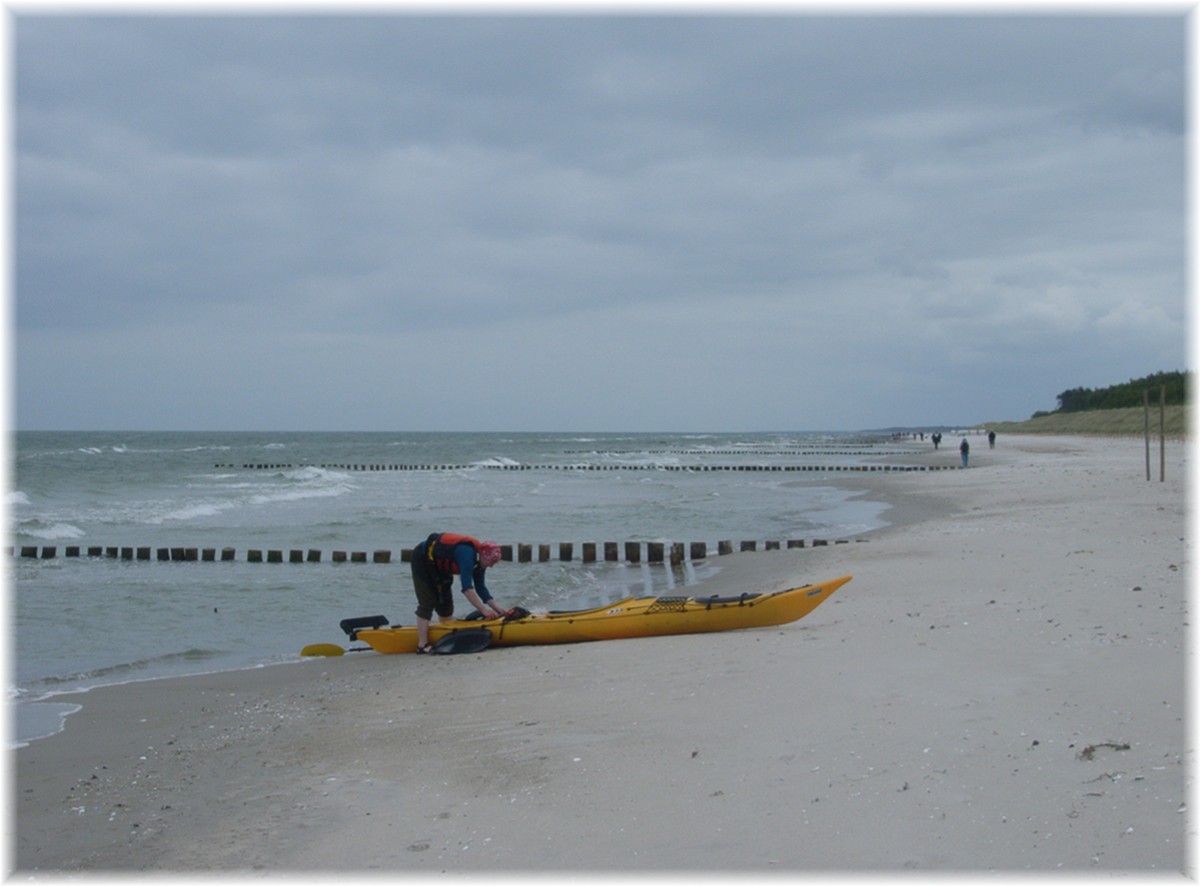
(310, 474)
(215, 497)
(497, 461)
(17, 498)
(34, 721)
(48, 686)
(48, 531)
(286, 495)
(202, 509)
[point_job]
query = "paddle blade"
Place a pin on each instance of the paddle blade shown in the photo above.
(460, 642)
(323, 649)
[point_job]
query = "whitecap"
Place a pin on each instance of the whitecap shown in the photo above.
(195, 510)
(496, 462)
(17, 498)
(310, 473)
(37, 529)
(300, 494)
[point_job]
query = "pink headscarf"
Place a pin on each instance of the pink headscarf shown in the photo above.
(489, 553)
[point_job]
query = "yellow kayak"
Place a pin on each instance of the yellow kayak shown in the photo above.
(631, 617)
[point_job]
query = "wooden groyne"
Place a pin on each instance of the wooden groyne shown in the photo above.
(699, 469)
(563, 552)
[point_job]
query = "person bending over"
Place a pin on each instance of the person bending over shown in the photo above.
(435, 562)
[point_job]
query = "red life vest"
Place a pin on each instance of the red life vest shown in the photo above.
(441, 551)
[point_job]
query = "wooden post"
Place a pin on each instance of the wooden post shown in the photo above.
(1162, 434)
(654, 552)
(610, 551)
(589, 552)
(633, 551)
(1146, 410)
(677, 553)
(699, 550)
(565, 550)
(524, 553)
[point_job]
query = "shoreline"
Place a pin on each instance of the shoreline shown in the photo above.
(930, 716)
(40, 715)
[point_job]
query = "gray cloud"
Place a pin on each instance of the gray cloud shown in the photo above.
(681, 222)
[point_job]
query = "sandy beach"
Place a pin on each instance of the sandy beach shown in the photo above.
(1000, 688)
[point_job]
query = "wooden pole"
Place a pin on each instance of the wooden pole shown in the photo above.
(1146, 409)
(1162, 434)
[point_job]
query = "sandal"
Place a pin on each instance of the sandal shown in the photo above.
(427, 649)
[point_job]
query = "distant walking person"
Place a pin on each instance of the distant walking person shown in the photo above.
(435, 562)
(991, 439)
(965, 448)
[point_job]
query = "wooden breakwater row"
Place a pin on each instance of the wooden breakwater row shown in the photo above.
(744, 452)
(821, 469)
(591, 552)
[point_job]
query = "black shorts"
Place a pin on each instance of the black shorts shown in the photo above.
(432, 587)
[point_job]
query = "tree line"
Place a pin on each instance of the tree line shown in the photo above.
(1122, 396)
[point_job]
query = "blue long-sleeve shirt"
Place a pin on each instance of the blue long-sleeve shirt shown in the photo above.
(469, 570)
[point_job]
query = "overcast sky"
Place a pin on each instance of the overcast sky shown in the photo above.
(591, 222)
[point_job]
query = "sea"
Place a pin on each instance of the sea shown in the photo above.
(103, 589)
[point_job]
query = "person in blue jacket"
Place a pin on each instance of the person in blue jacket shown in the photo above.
(435, 562)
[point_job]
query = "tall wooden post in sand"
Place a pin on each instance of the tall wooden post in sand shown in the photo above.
(1146, 412)
(1162, 434)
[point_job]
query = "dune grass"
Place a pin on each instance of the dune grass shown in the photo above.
(1102, 422)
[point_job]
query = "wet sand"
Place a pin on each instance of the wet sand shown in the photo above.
(1000, 688)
